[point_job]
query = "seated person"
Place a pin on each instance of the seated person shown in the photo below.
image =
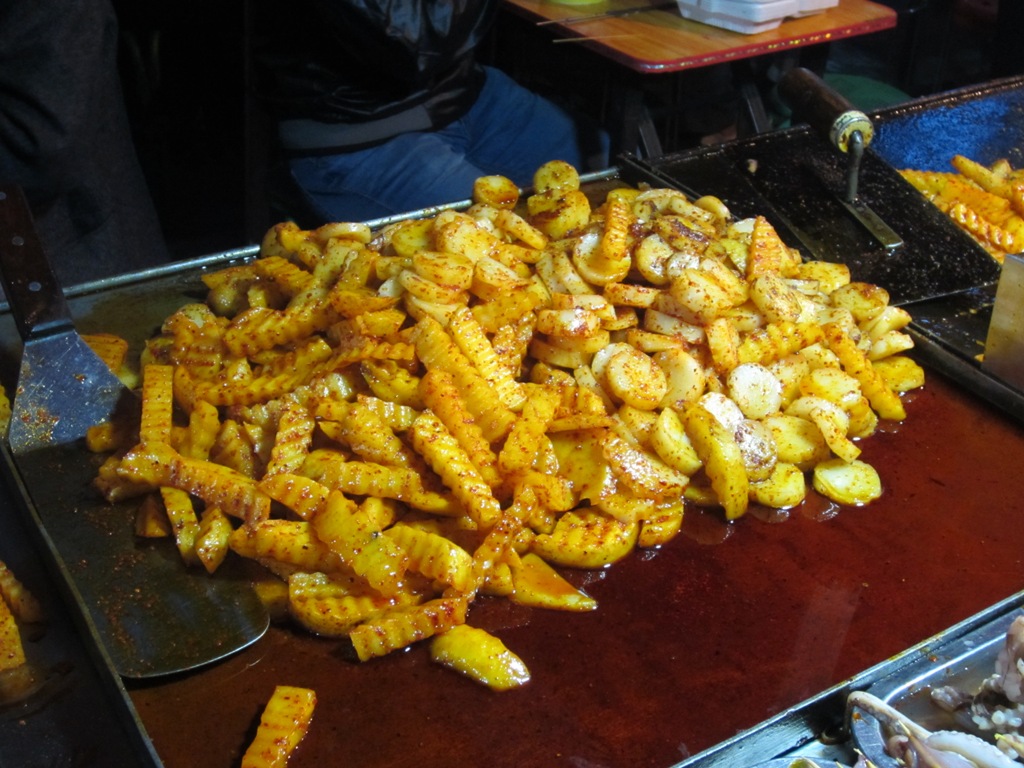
(383, 109)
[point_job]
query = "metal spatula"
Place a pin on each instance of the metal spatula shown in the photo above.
(1004, 345)
(150, 614)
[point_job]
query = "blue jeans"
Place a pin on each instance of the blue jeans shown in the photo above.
(509, 131)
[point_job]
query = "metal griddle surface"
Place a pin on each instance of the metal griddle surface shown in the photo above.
(727, 626)
(730, 629)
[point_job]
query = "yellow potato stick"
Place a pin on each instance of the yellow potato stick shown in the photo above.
(439, 393)
(391, 382)
(400, 627)
(353, 532)
(506, 309)
(434, 556)
(586, 538)
(161, 465)
(111, 349)
(498, 544)
(515, 226)
(258, 329)
(184, 522)
(292, 278)
(150, 519)
(471, 339)
(884, 401)
(283, 723)
(437, 350)
(398, 417)
(775, 341)
(306, 359)
(480, 656)
(157, 404)
(292, 440)
(203, 428)
(211, 542)
(346, 526)
(723, 462)
(537, 584)
(363, 478)
(234, 449)
(289, 543)
(258, 389)
(520, 448)
(368, 435)
(331, 608)
(455, 468)
(302, 495)
(767, 253)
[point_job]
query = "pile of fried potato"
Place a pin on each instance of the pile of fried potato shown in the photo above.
(397, 422)
(987, 202)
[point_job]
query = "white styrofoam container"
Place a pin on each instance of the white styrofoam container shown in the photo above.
(808, 7)
(746, 16)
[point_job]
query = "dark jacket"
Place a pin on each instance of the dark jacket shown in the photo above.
(407, 62)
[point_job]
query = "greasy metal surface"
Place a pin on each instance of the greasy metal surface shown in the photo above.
(730, 629)
(77, 713)
(690, 645)
(61, 390)
(1004, 345)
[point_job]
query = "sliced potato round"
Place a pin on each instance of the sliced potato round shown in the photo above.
(755, 389)
(784, 488)
(853, 483)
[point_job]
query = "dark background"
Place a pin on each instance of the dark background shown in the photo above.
(207, 152)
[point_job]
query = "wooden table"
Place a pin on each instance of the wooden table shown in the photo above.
(659, 40)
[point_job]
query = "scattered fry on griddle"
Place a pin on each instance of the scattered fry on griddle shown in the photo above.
(283, 723)
(987, 202)
(395, 423)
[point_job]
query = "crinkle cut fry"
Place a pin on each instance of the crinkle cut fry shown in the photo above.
(157, 403)
(292, 439)
(884, 401)
(161, 465)
(439, 393)
(457, 471)
(400, 627)
(283, 723)
(436, 350)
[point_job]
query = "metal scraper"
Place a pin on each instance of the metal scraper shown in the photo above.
(1004, 345)
(849, 130)
(149, 614)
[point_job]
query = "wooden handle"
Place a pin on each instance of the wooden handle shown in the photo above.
(36, 298)
(826, 110)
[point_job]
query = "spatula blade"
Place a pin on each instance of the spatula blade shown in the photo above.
(1004, 346)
